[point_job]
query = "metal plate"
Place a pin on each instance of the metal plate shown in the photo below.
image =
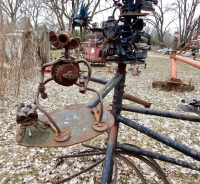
(78, 120)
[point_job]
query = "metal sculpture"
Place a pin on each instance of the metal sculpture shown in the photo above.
(175, 83)
(78, 123)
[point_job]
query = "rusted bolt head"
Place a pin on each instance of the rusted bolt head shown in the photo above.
(44, 95)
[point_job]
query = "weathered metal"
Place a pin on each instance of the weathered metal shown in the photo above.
(160, 113)
(78, 123)
(77, 120)
(173, 144)
(112, 138)
(186, 60)
(136, 150)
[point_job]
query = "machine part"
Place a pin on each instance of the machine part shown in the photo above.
(41, 89)
(65, 74)
(99, 125)
(53, 38)
(173, 85)
(76, 119)
(58, 136)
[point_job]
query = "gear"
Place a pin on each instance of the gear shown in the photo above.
(66, 74)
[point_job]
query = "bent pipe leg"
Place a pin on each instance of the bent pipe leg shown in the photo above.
(165, 140)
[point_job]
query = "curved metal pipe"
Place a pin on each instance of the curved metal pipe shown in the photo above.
(128, 162)
(44, 111)
(89, 69)
(84, 170)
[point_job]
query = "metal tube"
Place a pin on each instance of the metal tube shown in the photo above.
(160, 113)
(165, 140)
(136, 100)
(186, 60)
(158, 156)
(97, 80)
(104, 91)
(125, 95)
(112, 138)
(174, 69)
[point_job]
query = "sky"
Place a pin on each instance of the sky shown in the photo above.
(102, 16)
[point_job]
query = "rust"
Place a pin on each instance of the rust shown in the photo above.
(100, 126)
(136, 100)
(63, 136)
(65, 74)
(77, 120)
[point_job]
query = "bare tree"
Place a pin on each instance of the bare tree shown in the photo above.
(187, 22)
(35, 12)
(158, 19)
(12, 8)
(62, 10)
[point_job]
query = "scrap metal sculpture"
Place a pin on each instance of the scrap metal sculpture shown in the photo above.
(78, 123)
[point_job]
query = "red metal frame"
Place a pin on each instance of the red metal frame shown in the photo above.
(176, 57)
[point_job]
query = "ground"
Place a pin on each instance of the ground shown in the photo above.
(19, 164)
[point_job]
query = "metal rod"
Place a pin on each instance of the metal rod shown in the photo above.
(136, 100)
(165, 140)
(186, 60)
(44, 111)
(84, 170)
(104, 91)
(125, 95)
(174, 69)
(112, 138)
(160, 113)
(158, 156)
(82, 154)
(128, 162)
(155, 168)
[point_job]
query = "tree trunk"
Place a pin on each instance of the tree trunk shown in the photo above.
(2, 51)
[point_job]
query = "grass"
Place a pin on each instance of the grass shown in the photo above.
(55, 53)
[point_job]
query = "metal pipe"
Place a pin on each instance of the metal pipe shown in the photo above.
(186, 60)
(165, 140)
(174, 69)
(104, 91)
(160, 113)
(136, 100)
(158, 156)
(125, 95)
(112, 138)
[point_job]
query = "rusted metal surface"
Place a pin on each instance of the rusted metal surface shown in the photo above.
(78, 120)
(173, 85)
(136, 100)
(65, 74)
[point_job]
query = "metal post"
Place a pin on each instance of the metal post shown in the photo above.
(112, 139)
(174, 69)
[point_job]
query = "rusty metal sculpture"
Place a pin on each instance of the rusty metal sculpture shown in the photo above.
(78, 123)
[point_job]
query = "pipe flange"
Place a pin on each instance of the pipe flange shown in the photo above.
(63, 136)
(100, 126)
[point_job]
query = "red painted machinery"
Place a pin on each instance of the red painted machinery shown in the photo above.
(91, 49)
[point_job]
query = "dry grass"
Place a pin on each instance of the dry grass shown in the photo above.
(20, 164)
